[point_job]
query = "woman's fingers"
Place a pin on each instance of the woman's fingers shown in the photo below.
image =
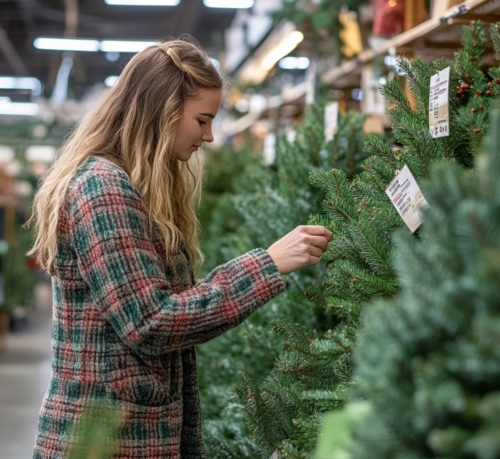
(301, 247)
(318, 241)
(313, 260)
(315, 230)
(315, 251)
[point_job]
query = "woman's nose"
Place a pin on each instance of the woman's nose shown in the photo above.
(208, 136)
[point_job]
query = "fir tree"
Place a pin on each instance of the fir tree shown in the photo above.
(429, 360)
(267, 203)
(97, 430)
(18, 280)
(314, 373)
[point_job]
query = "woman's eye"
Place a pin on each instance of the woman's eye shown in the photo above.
(201, 122)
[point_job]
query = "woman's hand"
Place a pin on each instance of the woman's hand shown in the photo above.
(301, 247)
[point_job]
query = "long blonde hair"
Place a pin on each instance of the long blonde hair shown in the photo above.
(134, 125)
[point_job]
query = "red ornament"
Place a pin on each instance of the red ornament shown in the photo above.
(389, 18)
(473, 110)
(477, 130)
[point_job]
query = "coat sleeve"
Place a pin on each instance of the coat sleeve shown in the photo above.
(127, 282)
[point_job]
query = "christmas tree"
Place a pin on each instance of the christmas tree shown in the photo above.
(266, 203)
(428, 361)
(18, 280)
(314, 373)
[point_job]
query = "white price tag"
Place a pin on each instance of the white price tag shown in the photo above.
(331, 116)
(407, 198)
(439, 124)
(269, 150)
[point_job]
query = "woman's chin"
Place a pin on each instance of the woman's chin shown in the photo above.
(185, 156)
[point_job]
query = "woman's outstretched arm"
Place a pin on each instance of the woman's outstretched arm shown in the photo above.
(127, 282)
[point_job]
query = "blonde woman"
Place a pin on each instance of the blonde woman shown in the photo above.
(117, 231)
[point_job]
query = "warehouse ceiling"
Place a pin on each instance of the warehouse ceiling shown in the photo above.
(21, 21)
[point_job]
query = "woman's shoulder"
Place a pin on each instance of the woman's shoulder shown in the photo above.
(101, 176)
(96, 165)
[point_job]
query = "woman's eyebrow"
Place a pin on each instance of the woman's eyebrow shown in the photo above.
(208, 114)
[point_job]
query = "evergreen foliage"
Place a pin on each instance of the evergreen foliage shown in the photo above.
(266, 203)
(97, 430)
(18, 280)
(428, 361)
(228, 173)
(318, 20)
(315, 371)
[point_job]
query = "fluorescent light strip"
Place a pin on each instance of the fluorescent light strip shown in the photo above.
(111, 81)
(33, 84)
(18, 108)
(117, 46)
(235, 4)
(290, 63)
(65, 44)
(144, 2)
(123, 46)
(286, 46)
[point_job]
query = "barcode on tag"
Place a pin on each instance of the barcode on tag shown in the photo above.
(439, 124)
(407, 198)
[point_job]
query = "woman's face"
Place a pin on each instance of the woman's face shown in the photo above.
(196, 123)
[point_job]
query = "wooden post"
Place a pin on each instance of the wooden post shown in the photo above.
(4, 330)
(415, 13)
(342, 108)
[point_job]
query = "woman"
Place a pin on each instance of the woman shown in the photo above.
(117, 230)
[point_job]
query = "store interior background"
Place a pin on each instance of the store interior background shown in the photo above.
(57, 57)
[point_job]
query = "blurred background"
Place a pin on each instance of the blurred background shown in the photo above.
(58, 56)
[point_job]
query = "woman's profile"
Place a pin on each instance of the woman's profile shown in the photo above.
(116, 229)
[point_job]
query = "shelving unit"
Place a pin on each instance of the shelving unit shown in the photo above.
(437, 37)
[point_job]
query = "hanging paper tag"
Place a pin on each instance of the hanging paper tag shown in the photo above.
(439, 124)
(407, 198)
(331, 116)
(269, 150)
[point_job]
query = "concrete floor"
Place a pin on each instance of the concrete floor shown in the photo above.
(24, 378)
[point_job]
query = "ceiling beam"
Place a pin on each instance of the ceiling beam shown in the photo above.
(60, 16)
(25, 8)
(11, 55)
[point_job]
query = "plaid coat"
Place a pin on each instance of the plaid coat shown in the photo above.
(125, 327)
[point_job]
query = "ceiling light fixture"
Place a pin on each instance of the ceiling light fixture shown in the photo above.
(284, 47)
(123, 46)
(17, 108)
(291, 63)
(239, 4)
(6, 154)
(111, 81)
(66, 44)
(30, 83)
(143, 2)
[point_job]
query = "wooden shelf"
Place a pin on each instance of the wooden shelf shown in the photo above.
(439, 36)
(292, 95)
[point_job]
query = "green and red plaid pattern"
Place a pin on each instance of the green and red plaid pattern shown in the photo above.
(125, 324)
